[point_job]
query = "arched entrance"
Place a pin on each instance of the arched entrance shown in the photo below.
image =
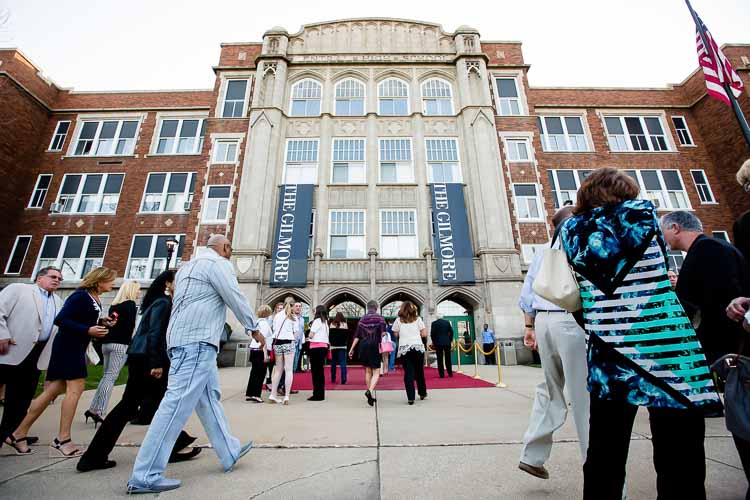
(352, 308)
(391, 301)
(284, 296)
(459, 310)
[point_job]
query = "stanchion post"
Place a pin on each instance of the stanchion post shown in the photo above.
(476, 361)
(500, 382)
(458, 356)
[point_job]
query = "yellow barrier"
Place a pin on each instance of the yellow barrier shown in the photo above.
(500, 382)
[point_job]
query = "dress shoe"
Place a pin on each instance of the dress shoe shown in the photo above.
(85, 466)
(539, 472)
(243, 451)
(162, 484)
(32, 440)
(315, 398)
(181, 457)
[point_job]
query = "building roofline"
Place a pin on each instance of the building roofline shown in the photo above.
(230, 44)
(154, 91)
(517, 42)
(667, 87)
(34, 65)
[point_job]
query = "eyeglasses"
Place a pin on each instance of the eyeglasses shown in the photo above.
(55, 277)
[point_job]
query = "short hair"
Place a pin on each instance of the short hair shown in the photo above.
(686, 220)
(605, 186)
(263, 311)
(562, 215)
(372, 305)
(438, 315)
(128, 291)
(43, 271)
(743, 174)
(99, 275)
(408, 312)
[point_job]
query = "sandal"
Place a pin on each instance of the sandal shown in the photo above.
(57, 446)
(14, 443)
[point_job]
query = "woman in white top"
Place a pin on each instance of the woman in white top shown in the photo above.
(318, 337)
(410, 330)
(258, 356)
(284, 345)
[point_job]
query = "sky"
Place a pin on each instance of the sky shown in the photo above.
(168, 44)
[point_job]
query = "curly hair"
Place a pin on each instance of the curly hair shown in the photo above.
(157, 288)
(408, 312)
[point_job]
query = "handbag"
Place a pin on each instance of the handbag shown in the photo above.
(385, 346)
(272, 355)
(555, 281)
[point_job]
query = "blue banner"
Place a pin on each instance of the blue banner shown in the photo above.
(451, 240)
(289, 264)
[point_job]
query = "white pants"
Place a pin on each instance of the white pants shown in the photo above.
(562, 348)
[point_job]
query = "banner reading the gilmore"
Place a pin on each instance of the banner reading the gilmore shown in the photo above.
(452, 244)
(289, 263)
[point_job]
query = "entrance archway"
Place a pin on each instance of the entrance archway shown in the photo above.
(459, 309)
(351, 307)
(390, 302)
(284, 296)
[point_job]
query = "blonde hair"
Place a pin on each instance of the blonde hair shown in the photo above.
(263, 311)
(128, 291)
(743, 174)
(99, 275)
(289, 310)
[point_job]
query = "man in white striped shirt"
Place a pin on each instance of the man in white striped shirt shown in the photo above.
(204, 288)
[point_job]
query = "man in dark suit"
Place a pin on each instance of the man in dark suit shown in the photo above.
(712, 274)
(441, 334)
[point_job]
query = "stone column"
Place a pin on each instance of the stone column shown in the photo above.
(318, 254)
(373, 254)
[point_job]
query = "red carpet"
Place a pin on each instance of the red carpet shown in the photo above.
(394, 381)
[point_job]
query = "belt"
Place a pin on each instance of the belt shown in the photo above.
(550, 311)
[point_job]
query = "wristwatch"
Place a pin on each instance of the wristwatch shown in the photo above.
(530, 326)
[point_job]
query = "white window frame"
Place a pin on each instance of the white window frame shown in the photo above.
(188, 196)
(57, 134)
(363, 235)
(508, 100)
(382, 85)
(207, 202)
(555, 187)
(724, 235)
(40, 203)
(303, 165)
(13, 251)
(511, 145)
(225, 90)
(664, 192)
(544, 136)
(536, 198)
(430, 164)
(413, 253)
(120, 119)
(336, 97)
(319, 98)
(625, 137)
(699, 190)
(180, 119)
(523, 106)
(691, 142)
(400, 164)
(78, 195)
(672, 259)
(350, 163)
(58, 261)
(151, 259)
(424, 85)
(218, 143)
(313, 227)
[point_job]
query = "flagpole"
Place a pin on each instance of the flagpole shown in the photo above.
(727, 88)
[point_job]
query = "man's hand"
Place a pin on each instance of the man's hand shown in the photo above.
(737, 308)
(97, 331)
(529, 338)
(157, 372)
(5, 346)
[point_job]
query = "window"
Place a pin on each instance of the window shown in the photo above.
(701, 185)
(676, 259)
(61, 131)
(217, 204)
(234, 100)
(350, 98)
(680, 125)
(311, 245)
(225, 151)
(517, 150)
(75, 256)
(564, 185)
(305, 98)
(90, 193)
(347, 234)
(721, 235)
(181, 136)
(442, 160)
(106, 138)
(395, 161)
(398, 234)
(148, 255)
(301, 166)
(562, 133)
(635, 133)
(40, 191)
(507, 93)
(393, 97)
(168, 192)
(437, 97)
(348, 161)
(528, 205)
(18, 255)
(663, 187)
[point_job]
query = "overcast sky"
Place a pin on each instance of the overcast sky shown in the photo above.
(167, 44)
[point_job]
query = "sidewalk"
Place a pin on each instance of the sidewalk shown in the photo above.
(458, 443)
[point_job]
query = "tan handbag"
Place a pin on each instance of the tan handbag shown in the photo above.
(555, 281)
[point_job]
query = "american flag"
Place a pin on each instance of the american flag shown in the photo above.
(716, 68)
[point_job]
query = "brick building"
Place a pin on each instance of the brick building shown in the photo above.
(372, 113)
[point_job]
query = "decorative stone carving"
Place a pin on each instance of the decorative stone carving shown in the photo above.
(269, 67)
(303, 128)
(347, 197)
(244, 264)
(474, 68)
(349, 127)
(79, 223)
(501, 262)
(394, 127)
(273, 45)
(397, 197)
(168, 222)
(440, 126)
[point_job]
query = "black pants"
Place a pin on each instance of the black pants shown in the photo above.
(489, 359)
(679, 458)
(20, 385)
(139, 382)
(444, 359)
(317, 364)
(743, 449)
(258, 370)
(413, 362)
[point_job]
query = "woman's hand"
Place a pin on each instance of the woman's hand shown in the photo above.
(351, 354)
(97, 331)
(156, 372)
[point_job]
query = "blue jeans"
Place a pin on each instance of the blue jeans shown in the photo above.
(193, 384)
(392, 357)
(338, 357)
(297, 354)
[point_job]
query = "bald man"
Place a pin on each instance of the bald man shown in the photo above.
(204, 288)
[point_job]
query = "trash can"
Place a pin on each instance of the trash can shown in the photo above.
(241, 354)
(509, 353)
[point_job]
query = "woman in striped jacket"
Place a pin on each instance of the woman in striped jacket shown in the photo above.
(642, 348)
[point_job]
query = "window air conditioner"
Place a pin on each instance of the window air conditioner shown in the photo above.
(55, 208)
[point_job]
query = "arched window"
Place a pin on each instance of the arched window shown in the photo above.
(393, 97)
(437, 98)
(305, 98)
(350, 98)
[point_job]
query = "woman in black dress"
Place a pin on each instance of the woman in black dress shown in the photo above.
(148, 366)
(77, 322)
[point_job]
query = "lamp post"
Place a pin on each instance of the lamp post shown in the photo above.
(171, 244)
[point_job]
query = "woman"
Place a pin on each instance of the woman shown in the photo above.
(386, 347)
(318, 338)
(148, 366)
(285, 327)
(410, 330)
(339, 336)
(77, 323)
(370, 332)
(114, 347)
(642, 348)
(259, 357)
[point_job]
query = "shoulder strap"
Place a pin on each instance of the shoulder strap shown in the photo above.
(556, 235)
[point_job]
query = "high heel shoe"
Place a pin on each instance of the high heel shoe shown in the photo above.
(286, 400)
(93, 416)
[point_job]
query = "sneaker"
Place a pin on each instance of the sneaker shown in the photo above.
(243, 451)
(162, 484)
(539, 472)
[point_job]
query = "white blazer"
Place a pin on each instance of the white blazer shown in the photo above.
(21, 321)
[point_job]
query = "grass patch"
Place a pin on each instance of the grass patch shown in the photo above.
(92, 381)
(535, 365)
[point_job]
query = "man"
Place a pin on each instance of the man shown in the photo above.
(204, 288)
(562, 348)
(441, 334)
(672, 279)
(712, 274)
(27, 315)
(488, 342)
